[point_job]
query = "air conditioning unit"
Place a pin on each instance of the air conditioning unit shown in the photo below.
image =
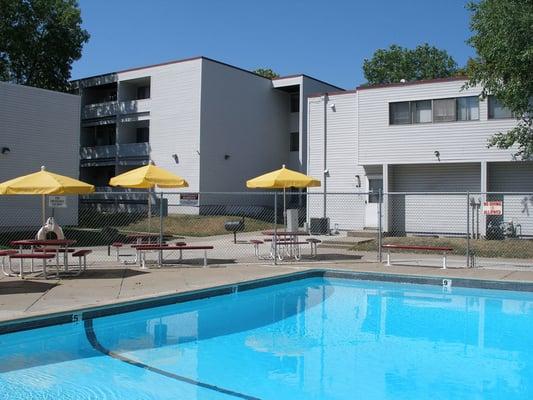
(319, 226)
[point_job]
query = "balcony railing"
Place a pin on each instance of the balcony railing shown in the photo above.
(112, 108)
(101, 155)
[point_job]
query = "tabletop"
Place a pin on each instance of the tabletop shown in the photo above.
(285, 233)
(39, 242)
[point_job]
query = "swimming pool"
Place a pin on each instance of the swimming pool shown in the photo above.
(311, 338)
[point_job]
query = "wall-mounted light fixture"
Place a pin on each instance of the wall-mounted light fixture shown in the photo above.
(332, 106)
(226, 156)
(6, 150)
(176, 158)
(357, 181)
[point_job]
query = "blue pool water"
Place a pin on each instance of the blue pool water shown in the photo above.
(315, 338)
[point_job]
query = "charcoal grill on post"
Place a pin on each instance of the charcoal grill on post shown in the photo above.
(234, 226)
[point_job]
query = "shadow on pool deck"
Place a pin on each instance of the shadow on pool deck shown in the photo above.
(22, 286)
(107, 273)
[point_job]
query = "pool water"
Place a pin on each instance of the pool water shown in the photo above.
(315, 338)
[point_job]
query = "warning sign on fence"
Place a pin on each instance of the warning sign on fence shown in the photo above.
(493, 207)
(189, 199)
(57, 201)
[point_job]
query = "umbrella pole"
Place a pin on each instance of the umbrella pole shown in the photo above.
(284, 211)
(161, 218)
(275, 228)
(43, 204)
(149, 213)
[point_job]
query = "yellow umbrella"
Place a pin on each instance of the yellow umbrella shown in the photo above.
(148, 177)
(282, 179)
(43, 183)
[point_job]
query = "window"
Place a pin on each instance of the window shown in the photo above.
(467, 108)
(443, 110)
(375, 185)
(295, 141)
(295, 102)
(143, 135)
(497, 109)
(143, 92)
(399, 113)
(421, 111)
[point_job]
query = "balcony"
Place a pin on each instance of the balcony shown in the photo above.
(112, 108)
(124, 154)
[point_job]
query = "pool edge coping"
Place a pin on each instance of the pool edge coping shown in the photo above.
(149, 301)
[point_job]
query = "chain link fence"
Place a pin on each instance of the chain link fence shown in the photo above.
(476, 229)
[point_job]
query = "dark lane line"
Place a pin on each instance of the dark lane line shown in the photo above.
(91, 337)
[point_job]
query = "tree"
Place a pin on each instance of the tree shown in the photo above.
(396, 63)
(503, 32)
(39, 41)
(266, 72)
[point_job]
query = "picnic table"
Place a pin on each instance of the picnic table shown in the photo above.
(141, 237)
(42, 249)
(287, 242)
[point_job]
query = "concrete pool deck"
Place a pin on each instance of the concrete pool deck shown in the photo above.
(107, 285)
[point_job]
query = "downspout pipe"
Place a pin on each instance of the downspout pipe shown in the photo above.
(325, 168)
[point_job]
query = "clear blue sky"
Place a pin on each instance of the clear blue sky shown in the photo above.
(327, 39)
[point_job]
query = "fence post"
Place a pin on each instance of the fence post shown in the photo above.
(467, 229)
(380, 225)
(274, 239)
(161, 218)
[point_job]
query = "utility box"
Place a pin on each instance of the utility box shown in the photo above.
(292, 220)
(319, 226)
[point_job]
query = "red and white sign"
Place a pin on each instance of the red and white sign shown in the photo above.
(493, 207)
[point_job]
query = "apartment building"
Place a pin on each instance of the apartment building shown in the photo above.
(37, 127)
(214, 124)
(426, 137)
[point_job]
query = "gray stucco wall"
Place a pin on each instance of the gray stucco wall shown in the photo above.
(40, 127)
(244, 127)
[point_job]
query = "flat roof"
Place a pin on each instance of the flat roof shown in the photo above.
(409, 83)
(308, 77)
(204, 58)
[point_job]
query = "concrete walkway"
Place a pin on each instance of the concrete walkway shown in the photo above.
(117, 283)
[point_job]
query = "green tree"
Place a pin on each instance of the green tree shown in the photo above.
(396, 63)
(266, 72)
(39, 41)
(503, 40)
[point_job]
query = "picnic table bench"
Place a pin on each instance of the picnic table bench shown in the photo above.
(443, 250)
(290, 243)
(32, 256)
(143, 248)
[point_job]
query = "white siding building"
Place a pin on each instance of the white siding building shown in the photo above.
(427, 137)
(214, 124)
(37, 127)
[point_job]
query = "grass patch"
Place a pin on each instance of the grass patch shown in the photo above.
(510, 248)
(196, 225)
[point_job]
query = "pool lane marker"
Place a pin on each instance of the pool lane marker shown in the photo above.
(93, 340)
